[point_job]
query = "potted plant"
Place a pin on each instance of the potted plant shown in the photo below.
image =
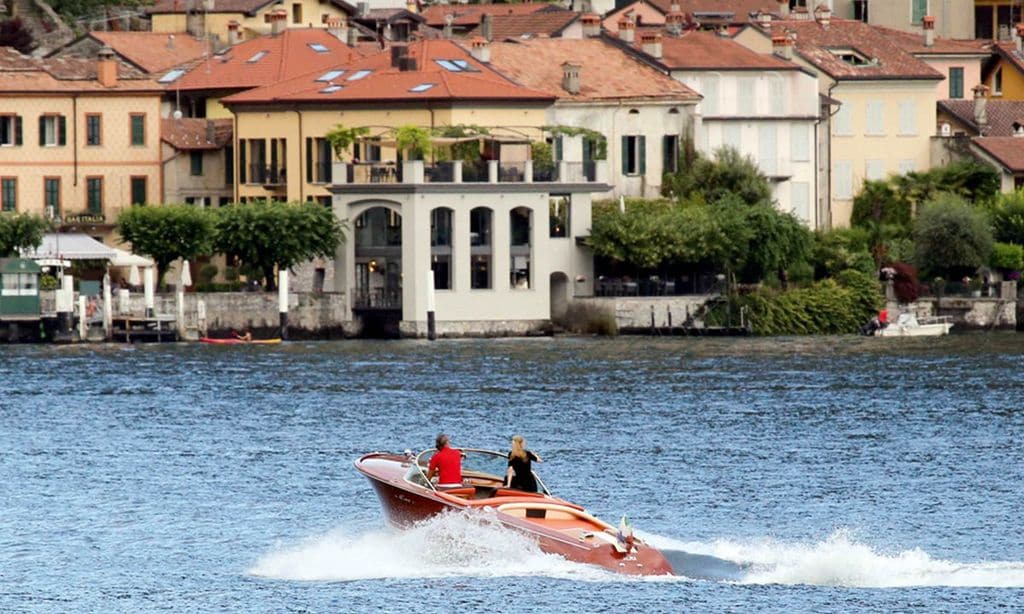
(975, 284)
(342, 138)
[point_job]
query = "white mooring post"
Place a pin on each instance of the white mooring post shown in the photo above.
(282, 301)
(431, 323)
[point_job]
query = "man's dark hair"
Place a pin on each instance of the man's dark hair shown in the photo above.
(441, 441)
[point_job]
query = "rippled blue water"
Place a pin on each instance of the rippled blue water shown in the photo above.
(789, 474)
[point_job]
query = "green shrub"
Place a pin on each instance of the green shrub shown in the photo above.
(231, 273)
(1007, 256)
(1008, 218)
(952, 237)
(47, 282)
(841, 249)
(208, 272)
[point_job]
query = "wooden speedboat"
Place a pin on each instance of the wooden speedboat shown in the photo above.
(558, 526)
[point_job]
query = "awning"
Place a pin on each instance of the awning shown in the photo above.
(125, 258)
(71, 246)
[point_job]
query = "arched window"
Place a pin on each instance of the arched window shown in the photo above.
(480, 251)
(520, 226)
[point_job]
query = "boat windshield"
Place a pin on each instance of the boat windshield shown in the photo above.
(484, 464)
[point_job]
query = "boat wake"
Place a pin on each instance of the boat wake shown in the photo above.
(452, 544)
(469, 545)
(837, 561)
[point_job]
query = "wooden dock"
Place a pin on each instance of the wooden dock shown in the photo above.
(136, 329)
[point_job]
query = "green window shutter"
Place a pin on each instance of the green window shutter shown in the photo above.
(42, 131)
(241, 161)
(642, 154)
(17, 130)
(588, 149)
(62, 130)
(666, 154)
(624, 154)
(557, 153)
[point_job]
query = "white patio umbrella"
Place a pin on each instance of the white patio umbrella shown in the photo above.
(622, 204)
(186, 275)
(134, 278)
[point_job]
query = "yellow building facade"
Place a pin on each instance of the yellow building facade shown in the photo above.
(253, 23)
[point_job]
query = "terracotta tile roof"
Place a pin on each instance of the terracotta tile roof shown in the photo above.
(1008, 150)
(154, 51)
(283, 56)
(1001, 115)
(699, 50)
(914, 43)
(820, 46)
(1009, 52)
(390, 15)
(193, 134)
(606, 72)
(470, 14)
(249, 7)
(374, 79)
(741, 9)
(547, 22)
(65, 74)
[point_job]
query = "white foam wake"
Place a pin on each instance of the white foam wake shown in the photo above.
(842, 561)
(454, 544)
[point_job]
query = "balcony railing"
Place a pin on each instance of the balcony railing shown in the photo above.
(267, 175)
(458, 171)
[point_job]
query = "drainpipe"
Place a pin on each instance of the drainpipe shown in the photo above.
(828, 184)
(238, 152)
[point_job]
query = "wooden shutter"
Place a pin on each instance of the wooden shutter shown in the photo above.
(241, 161)
(17, 130)
(62, 130)
(42, 131)
(309, 160)
(624, 154)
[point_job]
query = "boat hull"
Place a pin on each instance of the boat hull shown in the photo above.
(405, 504)
(922, 330)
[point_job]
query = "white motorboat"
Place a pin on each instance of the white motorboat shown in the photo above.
(908, 325)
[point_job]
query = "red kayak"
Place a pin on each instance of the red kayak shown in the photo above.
(239, 341)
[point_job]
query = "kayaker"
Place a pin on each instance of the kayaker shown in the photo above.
(520, 471)
(446, 463)
(247, 337)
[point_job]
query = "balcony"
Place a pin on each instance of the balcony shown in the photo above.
(483, 171)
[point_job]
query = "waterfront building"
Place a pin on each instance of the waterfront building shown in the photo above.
(225, 21)
(495, 234)
(761, 105)
(886, 99)
(955, 18)
(198, 161)
(989, 130)
(154, 53)
(1003, 73)
(703, 14)
(641, 114)
(552, 22)
(458, 19)
(79, 139)
(958, 61)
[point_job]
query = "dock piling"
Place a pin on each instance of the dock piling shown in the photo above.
(282, 301)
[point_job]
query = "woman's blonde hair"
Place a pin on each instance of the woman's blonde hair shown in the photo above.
(518, 447)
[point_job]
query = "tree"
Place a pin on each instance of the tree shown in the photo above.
(268, 235)
(779, 240)
(21, 231)
(342, 138)
(167, 232)
(729, 174)
(841, 249)
(13, 33)
(952, 237)
(1008, 218)
(92, 8)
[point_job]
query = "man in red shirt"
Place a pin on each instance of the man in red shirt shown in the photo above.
(447, 462)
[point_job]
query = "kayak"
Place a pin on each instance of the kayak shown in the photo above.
(239, 341)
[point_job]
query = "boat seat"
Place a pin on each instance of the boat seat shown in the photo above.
(484, 492)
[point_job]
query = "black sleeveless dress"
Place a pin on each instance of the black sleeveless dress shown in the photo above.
(523, 474)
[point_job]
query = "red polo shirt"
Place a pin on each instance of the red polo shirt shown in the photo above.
(449, 464)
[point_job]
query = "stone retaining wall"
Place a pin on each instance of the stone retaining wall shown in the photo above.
(635, 313)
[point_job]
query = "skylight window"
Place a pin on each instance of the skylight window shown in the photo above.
(330, 89)
(330, 75)
(422, 87)
(171, 77)
(318, 48)
(455, 65)
(259, 55)
(853, 57)
(359, 74)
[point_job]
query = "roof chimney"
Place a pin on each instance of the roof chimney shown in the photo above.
(278, 19)
(980, 114)
(480, 48)
(397, 53)
(764, 18)
(591, 25)
(650, 42)
(335, 26)
(363, 9)
(412, 6)
(487, 27)
(782, 46)
(928, 24)
(783, 8)
(211, 131)
(571, 77)
(1018, 128)
(447, 32)
(407, 63)
(106, 67)
(234, 33)
(627, 30)
(675, 23)
(352, 35)
(823, 15)
(1019, 38)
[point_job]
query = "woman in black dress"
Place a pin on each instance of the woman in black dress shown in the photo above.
(520, 472)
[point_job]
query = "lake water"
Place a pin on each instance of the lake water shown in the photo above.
(785, 474)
